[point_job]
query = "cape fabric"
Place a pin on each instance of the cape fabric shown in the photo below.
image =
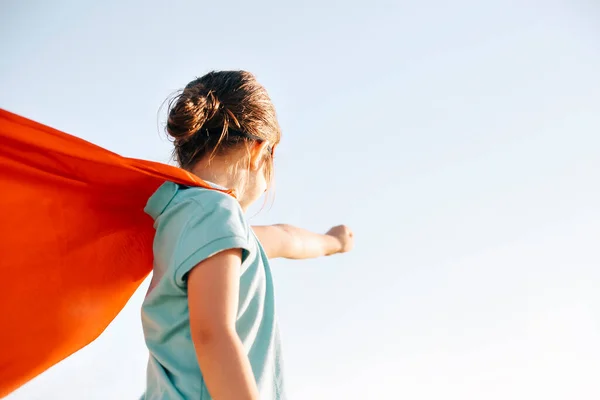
(75, 242)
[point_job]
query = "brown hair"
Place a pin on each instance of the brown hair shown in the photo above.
(217, 112)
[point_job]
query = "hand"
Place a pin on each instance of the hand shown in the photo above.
(344, 236)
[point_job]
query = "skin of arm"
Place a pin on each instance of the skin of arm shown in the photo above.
(213, 289)
(287, 241)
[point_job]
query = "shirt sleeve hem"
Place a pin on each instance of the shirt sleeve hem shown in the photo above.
(207, 251)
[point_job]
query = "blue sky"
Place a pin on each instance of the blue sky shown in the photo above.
(460, 142)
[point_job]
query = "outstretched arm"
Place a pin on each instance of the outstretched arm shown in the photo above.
(287, 241)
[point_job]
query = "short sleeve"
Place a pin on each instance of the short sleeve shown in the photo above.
(216, 224)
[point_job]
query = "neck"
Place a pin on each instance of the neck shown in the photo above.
(220, 173)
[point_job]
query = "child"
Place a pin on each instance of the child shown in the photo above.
(209, 315)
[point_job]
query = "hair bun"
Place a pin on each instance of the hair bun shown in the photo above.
(190, 110)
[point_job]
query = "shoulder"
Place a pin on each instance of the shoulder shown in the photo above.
(179, 208)
(209, 199)
(214, 222)
(214, 205)
(212, 211)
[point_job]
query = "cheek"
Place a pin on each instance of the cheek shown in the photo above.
(259, 183)
(267, 172)
(264, 176)
(263, 183)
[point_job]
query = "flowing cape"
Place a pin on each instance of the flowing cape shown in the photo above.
(75, 242)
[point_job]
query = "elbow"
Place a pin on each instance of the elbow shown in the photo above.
(209, 336)
(289, 244)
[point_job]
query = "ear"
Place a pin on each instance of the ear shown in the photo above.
(257, 152)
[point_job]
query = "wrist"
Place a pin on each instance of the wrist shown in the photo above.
(332, 245)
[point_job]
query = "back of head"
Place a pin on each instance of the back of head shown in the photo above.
(218, 112)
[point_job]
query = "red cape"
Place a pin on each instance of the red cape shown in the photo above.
(75, 242)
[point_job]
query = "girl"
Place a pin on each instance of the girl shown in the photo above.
(209, 315)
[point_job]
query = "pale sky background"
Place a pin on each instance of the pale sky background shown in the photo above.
(460, 140)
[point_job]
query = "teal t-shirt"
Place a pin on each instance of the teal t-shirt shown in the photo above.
(192, 224)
